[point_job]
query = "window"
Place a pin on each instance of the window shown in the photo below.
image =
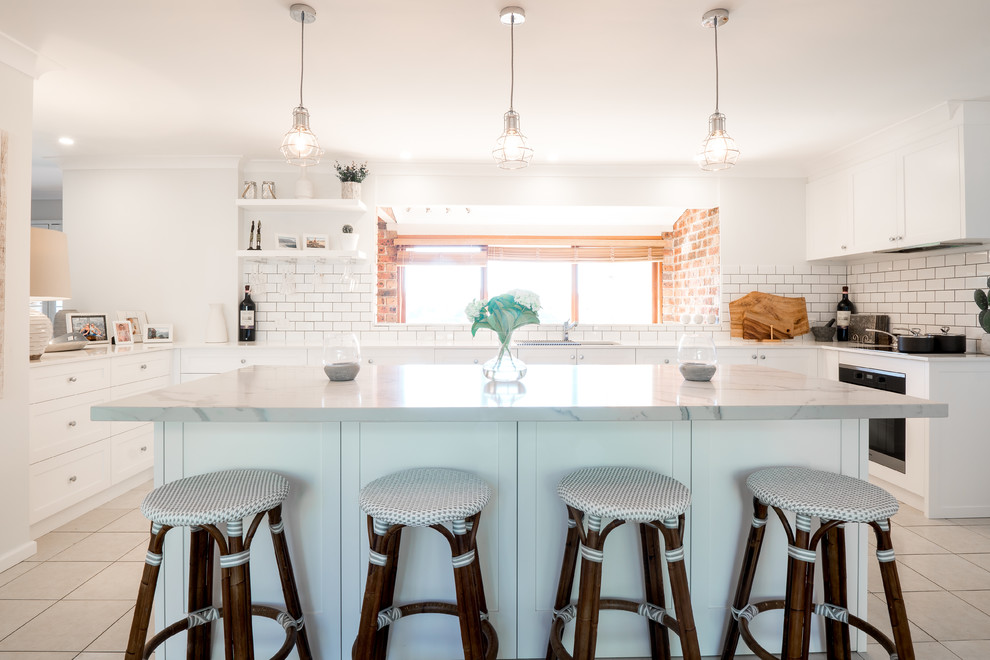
(616, 292)
(552, 281)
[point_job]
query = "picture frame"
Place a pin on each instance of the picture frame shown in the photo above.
(316, 241)
(158, 333)
(92, 325)
(122, 333)
(286, 241)
(138, 321)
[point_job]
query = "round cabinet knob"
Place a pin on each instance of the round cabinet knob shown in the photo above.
(843, 247)
(763, 357)
(900, 238)
(144, 366)
(71, 424)
(666, 361)
(371, 360)
(476, 360)
(571, 357)
(580, 357)
(243, 360)
(72, 479)
(72, 379)
(753, 356)
(144, 448)
(892, 239)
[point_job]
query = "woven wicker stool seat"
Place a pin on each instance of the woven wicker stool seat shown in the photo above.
(215, 497)
(822, 494)
(657, 504)
(450, 502)
(201, 503)
(835, 500)
(421, 497)
(626, 493)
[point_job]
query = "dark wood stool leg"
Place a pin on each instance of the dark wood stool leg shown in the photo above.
(746, 576)
(649, 537)
(673, 537)
(464, 554)
(290, 592)
(198, 639)
(146, 594)
(837, 642)
(236, 563)
(892, 590)
(388, 591)
(364, 645)
(797, 612)
(589, 592)
(568, 566)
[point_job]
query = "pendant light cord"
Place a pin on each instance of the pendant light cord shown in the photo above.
(512, 59)
(302, 51)
(716, 63)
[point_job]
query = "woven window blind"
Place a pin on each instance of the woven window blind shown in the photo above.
(567, 249)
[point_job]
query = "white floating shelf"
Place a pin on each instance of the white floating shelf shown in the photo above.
(342, 206)
(339, 256)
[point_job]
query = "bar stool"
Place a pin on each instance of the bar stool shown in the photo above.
(435, 498)
(624, 494)
(836, 500)
(201, 503)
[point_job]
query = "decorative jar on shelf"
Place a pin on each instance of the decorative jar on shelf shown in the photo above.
(350, 190)
(348, 239)
(697, 358)
(341, 356)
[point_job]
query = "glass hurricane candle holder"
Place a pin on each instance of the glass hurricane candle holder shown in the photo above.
(697, 358)
(341, 356)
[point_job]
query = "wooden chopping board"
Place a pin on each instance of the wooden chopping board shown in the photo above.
(788, 316)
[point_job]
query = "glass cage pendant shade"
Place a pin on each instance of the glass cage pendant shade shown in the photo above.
(300, 146)
(718, 150)
(511, 151)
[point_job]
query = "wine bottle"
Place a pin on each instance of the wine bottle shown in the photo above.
(843, 315)
(245, 330)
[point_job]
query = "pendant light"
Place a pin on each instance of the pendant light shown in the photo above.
(719, 150)
(300, 146)
(511, 151)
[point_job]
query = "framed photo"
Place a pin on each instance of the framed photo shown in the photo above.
(92, 326)
(316, 241)
(286, 242)
(158, 333)
(138, 321)
(122, 334)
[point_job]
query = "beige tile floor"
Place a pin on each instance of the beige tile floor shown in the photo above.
(74, 599)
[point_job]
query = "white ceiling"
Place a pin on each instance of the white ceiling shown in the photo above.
(628, 82)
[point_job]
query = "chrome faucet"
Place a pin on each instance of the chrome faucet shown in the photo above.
(567, 327)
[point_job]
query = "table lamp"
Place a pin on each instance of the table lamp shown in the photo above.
(49, 281)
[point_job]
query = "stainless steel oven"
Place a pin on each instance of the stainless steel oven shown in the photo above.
(887, 436)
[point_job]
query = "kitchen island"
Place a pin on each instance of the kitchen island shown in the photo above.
(332, 438)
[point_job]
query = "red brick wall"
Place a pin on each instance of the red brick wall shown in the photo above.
(691, 271)
(388, 276)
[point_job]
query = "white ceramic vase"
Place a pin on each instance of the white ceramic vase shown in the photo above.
(216, 326)
(350, 190)
(40, 334)
(985, 343)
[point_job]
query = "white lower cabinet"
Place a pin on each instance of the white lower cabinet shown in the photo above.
(656, 356)
(199, 362)
(799, 360)
(68, 478)
(397, 355)
(464, 355)
(577, 355)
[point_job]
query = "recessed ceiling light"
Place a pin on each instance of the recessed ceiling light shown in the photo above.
(67, 141)
(405, 155)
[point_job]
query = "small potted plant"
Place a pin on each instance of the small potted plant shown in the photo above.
(351, 177)
(348, 239)
(984, 317)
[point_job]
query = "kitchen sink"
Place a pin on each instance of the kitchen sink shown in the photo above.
(561, 342)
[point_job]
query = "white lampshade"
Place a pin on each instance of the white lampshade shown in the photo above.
(49, 265)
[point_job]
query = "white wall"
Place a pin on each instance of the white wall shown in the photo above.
(156, 235)
(762, 221)
(15, 118)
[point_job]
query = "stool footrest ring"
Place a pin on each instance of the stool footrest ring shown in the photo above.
(647, 610)
(824, 610)
(396, 612)
(256, 610)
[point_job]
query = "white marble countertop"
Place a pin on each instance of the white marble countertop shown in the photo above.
(547, 393)
(99, 351)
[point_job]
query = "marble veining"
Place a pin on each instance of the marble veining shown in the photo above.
(547, 393)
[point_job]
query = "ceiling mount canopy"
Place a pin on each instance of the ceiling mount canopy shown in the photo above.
(300, 146)
(511, 151)
(718, 150)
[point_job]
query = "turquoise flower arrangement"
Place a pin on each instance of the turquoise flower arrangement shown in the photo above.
(503, 314)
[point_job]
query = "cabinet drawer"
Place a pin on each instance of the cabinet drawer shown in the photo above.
(123, 391)
(131, 453)
(218, 361)
(61, 425)
(134, 368)
(58, 380)
(464, 355)
(66, 479)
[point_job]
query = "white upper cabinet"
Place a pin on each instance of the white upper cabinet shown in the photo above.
(929, 189)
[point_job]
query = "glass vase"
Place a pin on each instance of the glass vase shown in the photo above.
(504, 367)
(697, 358)
(341, 356)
